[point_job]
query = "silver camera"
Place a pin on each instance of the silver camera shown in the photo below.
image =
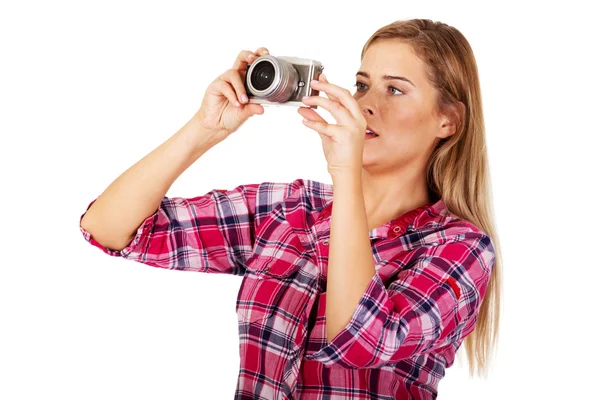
(281, 81)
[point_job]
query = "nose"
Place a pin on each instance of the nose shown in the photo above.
(366, 105)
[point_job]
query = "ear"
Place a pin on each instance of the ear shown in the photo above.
(452, 120)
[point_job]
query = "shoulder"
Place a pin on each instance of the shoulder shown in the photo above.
(463, 241)
(318, 194)
(313, 194)
(267, 190)
(438, 233)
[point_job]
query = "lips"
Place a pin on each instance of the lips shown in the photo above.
(371, 131)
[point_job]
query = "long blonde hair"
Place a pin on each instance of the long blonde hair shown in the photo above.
(458, 170)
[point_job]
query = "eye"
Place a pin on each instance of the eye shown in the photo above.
(358, 85)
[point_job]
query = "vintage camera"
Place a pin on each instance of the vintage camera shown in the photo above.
(281, 81)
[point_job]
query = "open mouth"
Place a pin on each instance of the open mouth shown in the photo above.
(371, 134)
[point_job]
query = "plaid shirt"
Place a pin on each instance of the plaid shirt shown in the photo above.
(432, 270)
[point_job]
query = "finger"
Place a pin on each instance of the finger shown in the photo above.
(343, 95)
(242, 59)
(339, 112)
(310, 114)
(261, 51)
(233, 76)
(323, 78)
(307, 124)
(256, 108)
(250, 109)
(246, 57)
(324, 129)
(226, 90)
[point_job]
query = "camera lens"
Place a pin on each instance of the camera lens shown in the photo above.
(263, 75)
(271, 79)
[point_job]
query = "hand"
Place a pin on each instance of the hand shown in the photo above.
(225, 104)
(343, 143)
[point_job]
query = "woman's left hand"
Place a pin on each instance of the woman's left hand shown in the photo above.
(342, 143)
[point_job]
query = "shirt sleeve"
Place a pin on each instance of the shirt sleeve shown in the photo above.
(433, 302)
(213, 233)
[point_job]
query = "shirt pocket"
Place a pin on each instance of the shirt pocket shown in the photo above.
(279, 259)
(258, 296)
(275, 285)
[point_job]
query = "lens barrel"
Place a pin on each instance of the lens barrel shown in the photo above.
(272, 79)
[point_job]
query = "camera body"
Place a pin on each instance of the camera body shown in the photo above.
(281, 81)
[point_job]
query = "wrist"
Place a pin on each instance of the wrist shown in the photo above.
(199, 137)
(346, 176)
(200, 122)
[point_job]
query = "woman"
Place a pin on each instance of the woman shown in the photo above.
(358, 290)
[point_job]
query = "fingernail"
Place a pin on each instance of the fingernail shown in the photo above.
(314, 81)
(305, 121)
(244, 98)
(237, 103)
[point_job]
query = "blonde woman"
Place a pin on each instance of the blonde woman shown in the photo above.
(363, 289)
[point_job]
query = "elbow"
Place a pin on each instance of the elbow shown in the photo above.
(103, 235)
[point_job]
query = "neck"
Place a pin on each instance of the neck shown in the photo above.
(388, 196)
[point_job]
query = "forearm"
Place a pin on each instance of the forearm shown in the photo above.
(137, 193)
(351, 266)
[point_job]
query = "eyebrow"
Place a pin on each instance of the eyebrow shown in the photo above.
(388, 77)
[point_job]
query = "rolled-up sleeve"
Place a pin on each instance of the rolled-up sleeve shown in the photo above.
(433, 302)
(212, 233)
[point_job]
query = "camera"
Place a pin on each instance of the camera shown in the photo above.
(281, 80)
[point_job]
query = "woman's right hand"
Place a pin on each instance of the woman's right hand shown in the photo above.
(225, 104)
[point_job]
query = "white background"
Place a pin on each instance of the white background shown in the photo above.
(89, 88)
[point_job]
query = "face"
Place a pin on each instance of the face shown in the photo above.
(401, 113)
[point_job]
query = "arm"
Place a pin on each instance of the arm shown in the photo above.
(351, 266)
(433, 302)
(115, 216)
(213, 233)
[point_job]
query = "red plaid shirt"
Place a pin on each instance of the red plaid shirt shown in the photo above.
(432, 273)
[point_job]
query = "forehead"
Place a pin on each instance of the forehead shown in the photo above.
(394, 57)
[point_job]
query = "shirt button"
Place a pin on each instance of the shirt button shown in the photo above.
(396, 229)
(325, 242)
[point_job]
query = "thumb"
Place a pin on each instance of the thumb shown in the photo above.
(251, 109)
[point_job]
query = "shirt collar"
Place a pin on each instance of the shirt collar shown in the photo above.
(429, 215)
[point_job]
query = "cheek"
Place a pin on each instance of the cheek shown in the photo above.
(406, 129)
(402, 124)
(399, 117)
